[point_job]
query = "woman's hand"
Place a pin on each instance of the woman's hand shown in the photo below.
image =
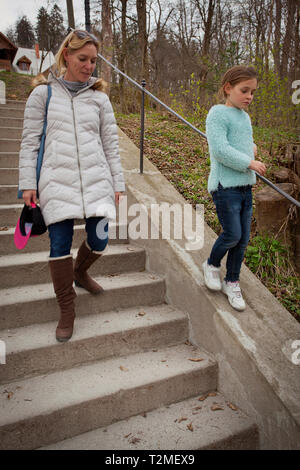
(29, 196)
(258, 166)
(117, 197)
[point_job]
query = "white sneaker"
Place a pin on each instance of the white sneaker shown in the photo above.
(234, 294)
(211, 276)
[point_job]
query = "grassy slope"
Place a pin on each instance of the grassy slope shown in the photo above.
(17, 85)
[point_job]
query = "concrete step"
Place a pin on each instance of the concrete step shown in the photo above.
(32, 268)
(118, 233)
(22, 306)
(49, 408)
(11, 132)
(9, 145)
(8, 111)
(9, 213)
(11, 122)
(188, 425)
(9, 160)
(33, 350)
(9, 175)
(13, 104)
(8, 193)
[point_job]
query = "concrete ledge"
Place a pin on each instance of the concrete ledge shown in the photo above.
(253, 348)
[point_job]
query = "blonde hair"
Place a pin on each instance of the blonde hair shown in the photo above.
(72, 43)
(235, 75)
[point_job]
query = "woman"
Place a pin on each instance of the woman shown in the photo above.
(81, 175)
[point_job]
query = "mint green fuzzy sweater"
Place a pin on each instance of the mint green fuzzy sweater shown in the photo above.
(230, 141)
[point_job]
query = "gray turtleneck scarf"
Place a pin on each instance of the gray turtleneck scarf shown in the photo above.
(73, 87)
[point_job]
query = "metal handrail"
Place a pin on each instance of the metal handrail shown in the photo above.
(170, 110)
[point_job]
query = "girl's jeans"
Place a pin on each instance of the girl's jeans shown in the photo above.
(234, 210)
(61, 235)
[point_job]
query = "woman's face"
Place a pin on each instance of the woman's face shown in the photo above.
(80, 63)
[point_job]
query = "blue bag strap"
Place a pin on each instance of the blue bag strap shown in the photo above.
(43, 138)
(42, 145)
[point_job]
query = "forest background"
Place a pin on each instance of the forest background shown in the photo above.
(181, 49)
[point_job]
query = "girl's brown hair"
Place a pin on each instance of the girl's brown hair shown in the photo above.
(235, 75)
(72, 42)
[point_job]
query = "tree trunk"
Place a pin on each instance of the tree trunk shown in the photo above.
(123, 56)
(70, 14)
(288, 38)
(267, 49)
(297, 44)
(143, 38)
(107, 42)
(208, 28)
(276, 51)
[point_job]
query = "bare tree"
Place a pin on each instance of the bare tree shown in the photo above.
(143, 37)
(277, 38)
(107, 42)
(123, 55)
(288, 37)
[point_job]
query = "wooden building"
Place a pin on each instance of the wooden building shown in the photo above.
(7, 53)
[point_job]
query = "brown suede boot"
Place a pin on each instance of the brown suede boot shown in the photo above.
(62, 277)
(85, 258)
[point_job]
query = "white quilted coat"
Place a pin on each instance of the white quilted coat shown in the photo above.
(81, 168)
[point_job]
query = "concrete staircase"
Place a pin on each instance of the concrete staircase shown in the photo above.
(129, 378)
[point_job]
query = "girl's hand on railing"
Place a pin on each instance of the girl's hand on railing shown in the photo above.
(29, 195)
(255, 150)
(258, 166)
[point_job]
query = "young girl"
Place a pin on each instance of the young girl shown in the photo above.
(232, 174)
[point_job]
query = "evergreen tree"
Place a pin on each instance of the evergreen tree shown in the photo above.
(10, 33)
(42, 29)
(56, 28)
(24, 33)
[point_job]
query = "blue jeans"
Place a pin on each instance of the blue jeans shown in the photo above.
(61, 235)
(234, 210)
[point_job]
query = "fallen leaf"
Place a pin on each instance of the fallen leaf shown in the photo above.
(3, 229)
(233, 407)
(134, 440)
(142, 313)
(197, 408)
(202, 398)
(212, 394)
(196, 359)
(124, 369)
(190, 427)
(127, 435)
(9, 395)
(216, 407)
(179, 420)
